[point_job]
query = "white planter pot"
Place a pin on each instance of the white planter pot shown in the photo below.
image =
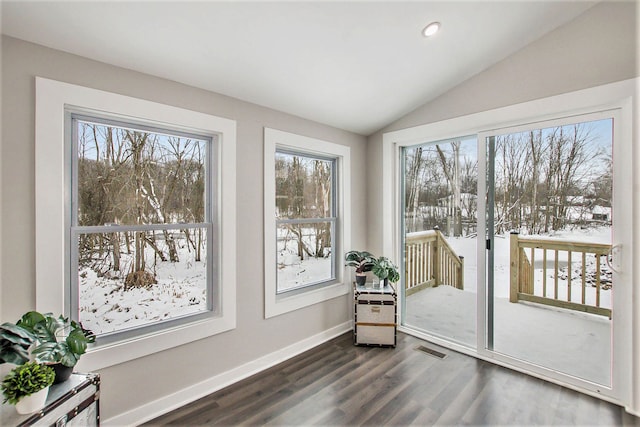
(33, 403)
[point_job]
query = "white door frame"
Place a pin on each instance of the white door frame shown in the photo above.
(622, 98)
(622, 220)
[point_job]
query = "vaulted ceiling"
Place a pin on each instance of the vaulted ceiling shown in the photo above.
(353, 65)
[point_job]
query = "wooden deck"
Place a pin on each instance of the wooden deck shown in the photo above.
(338, 384)
(572, 342)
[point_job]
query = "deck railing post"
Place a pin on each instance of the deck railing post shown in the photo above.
(461, 274)
(514, 262)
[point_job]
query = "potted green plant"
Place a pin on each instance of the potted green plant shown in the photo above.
(362, 261)
(59, 341)
(56, 341)
(27, 386)
(385, 270)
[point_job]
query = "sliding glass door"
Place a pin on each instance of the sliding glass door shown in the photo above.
(440, 238)
(549, 222)
(511, 247)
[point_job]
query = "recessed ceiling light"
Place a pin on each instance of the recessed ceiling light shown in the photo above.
(431, 29)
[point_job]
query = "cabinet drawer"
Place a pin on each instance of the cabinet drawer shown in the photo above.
(376, 335)
(375, 313)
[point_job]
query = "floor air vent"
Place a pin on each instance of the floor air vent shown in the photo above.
(431, 352)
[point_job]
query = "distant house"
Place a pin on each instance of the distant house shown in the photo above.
(601, 213)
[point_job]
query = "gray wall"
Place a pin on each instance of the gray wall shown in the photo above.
(131, 384)
(598, 47)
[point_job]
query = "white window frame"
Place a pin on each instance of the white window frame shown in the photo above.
(211, 300)
(53, 195)
(277, 304)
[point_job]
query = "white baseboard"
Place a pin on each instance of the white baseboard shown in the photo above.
(631, 412)
(187, 395)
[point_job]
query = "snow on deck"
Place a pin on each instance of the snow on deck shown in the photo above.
(571, 342)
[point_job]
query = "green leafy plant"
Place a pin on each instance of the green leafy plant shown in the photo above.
(25, 380)
(385, 269)
(15, 342)
(362, 261)
(59, 340)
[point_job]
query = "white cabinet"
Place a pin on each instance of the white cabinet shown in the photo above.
(375, 316)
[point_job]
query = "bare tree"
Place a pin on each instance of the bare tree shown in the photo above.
(451, 169)
(412, 183)
(512, 171)
(568, 160)
(536, 152)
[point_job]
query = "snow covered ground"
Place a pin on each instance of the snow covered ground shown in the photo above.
(294, 272)
(571, 342)
(106, 306)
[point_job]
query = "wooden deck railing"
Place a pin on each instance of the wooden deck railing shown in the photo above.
(523, 279)
(430, 261)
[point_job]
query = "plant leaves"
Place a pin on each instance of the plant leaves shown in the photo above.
(69, 359)
(30, 319)
(16, 333)
(77, 342)
(25, 380)
(49, 352)
(14, 354)
(47, 330)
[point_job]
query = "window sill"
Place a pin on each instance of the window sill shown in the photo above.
(283, 303)
(103, 356)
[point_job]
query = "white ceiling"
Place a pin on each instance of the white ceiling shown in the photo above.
(353, 65)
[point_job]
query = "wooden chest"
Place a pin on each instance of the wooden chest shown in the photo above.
(375, 316)
(74, 402)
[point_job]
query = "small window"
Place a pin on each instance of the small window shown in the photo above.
(305, 220)
(141, 228)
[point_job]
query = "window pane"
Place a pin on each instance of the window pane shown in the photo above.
(304, 254)
(303, 187)
(131, 177)
(131, 279)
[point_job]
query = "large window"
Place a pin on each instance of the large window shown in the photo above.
(135, 220)
(307, 215)
(306, 220)
(141, 227)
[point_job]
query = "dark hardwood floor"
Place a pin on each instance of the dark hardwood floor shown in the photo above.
(338, 384)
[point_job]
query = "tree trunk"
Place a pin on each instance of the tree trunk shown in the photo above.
(139, 251)
(115, 247)
(535, 158)
(152, 242)
(413, 195)
(199, 244)
(171, 245)
(453, 178)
